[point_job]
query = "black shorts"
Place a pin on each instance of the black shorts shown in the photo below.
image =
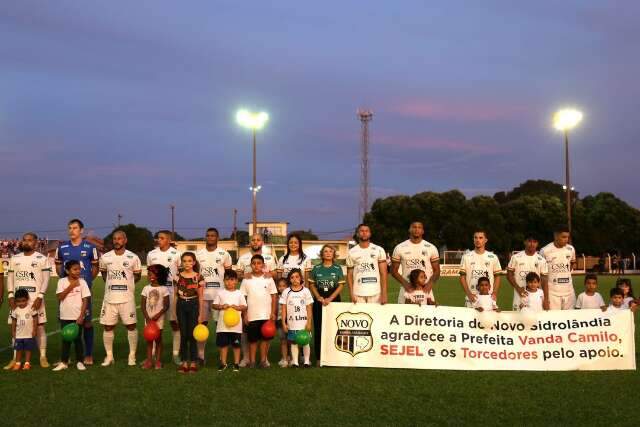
(254, 332)
(226, 339)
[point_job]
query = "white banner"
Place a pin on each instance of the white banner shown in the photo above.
(427, 337)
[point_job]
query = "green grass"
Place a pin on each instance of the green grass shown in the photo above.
(123, 396)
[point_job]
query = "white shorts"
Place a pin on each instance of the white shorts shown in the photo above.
(42, 315)
(401, 295)
(110, 313)
(562, 299)
(209, 312)
(516, 301)
(370, 299)
(172, 305)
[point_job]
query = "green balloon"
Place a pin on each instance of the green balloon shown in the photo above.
(70, 332)
(303, 337)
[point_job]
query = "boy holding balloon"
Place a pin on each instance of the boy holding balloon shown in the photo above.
(155, 302)
(73, 293)
(231, 302)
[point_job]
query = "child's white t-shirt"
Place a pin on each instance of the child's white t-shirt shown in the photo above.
(71, 305)
(613, 309)
(485, 302)
(585, 301)
(24, 321)
(154, 299)
(233, 297)
(419, 296)
(296, 303)
(534, 300)
(258, 291)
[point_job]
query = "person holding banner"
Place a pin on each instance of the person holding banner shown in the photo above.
(367, 269)
(523, 263)
(325, 282)
(476, 264)
(415, 253)
(561, 259)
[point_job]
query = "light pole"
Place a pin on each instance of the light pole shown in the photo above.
(255, 122)
(564, 120)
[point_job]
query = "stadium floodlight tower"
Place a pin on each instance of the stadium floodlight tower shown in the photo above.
(365, 116)
(564, 120)
(255, 122)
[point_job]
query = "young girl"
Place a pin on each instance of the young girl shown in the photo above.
(417, 295)
(188, 291)
(296, 304)
(73, 294)
(155, 303)
(24, 326)
(484, 302)
(284, 345)
(628, 300)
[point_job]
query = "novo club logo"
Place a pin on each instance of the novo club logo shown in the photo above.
(354, 333)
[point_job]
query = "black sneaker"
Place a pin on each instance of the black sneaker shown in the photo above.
(236, 367)
(306, 365)
(222, 367)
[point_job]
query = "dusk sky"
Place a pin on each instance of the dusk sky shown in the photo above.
(126, 107)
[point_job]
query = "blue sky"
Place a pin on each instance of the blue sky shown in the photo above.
(127, 107)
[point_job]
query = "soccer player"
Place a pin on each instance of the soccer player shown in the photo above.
(476, 264)
(415, 253)
(120, 269)
(294, 258)
(244, 262)
(213, 262)
(169, 257)
(561, 259)
(367, 269)
(79, 249)
(30, 270)
(523, 263)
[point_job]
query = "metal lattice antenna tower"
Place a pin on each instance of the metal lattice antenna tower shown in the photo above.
(365, 117)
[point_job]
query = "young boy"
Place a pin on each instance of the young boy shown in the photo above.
(24, 326)
(534, 297)
(155, 302)
(74, 295)
(226, 336)
(590, 299)
(284, 345)
(616, 300)
(260, 292)
(484, 300)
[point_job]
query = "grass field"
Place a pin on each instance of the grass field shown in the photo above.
(122, 395)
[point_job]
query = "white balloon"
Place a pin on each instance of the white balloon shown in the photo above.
(528, 317)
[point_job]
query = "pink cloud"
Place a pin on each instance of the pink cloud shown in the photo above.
(440, 144)
(467, 111)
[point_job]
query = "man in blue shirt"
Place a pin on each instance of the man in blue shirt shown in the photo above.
(79, 249)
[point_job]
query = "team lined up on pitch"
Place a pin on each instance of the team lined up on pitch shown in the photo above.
(276, 297)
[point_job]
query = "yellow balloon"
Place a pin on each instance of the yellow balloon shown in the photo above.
(231, 317)
(201, 333)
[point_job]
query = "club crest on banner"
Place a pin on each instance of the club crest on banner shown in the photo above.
(354, 333)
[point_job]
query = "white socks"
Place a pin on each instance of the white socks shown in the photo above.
(295, 351)
(306, 351)
(132, 336)
(176, 342)
(41, 336)
(107, 339)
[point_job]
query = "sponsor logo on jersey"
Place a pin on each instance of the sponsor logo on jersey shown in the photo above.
(22, 275)
(354, 333)
(116, 275)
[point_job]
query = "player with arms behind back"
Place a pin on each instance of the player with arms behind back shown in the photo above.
(561, 258)
(523, 263)
(367, 269)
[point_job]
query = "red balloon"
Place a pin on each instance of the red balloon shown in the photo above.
(151, 331)
(268, 329)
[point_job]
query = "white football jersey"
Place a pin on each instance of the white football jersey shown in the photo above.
(169, 259)
(212, 267)
(244, 262)
(293, 261)
(419, 297)
(412, 256)
(522, 264)
(296, 303)
(30, 272)
(24, 321)
(585, 301)
(120, 269)
(534, 300)
(475, 266)
(366, 273)
(559, 263)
